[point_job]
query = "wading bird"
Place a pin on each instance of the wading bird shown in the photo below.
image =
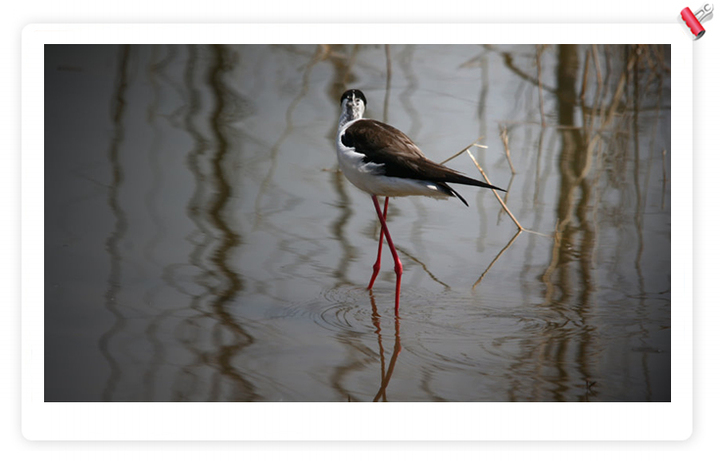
(383, 161)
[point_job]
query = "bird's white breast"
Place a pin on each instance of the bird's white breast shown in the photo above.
(369, 176)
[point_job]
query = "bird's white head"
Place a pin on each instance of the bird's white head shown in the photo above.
(353, 104)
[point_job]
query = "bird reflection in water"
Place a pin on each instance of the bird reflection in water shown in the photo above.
(385, 373)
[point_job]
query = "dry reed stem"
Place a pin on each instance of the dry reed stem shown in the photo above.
(529, 231)
(508, 190)
(497, 196)
(506, 142)
(474, 143)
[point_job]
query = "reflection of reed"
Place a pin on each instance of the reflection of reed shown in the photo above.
(228, 240)
(388, 78)
(151, 198)
(538, 160)
(573, 162)
(578, 154)
(574, 168)
(639, 206)
(639, 198)
(574, 198)
(414, 259)
(509, 62)
(506, 144)
(322, 52)
(338, 228)
(570, 275)
(359, 358)
(512, 240)
(113, 241)
(407, 96)
(538, 52)
(189, 328)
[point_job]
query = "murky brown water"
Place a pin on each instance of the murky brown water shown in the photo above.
(200, 243)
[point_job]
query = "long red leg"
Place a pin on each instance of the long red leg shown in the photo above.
(398, 264)
(376, 266)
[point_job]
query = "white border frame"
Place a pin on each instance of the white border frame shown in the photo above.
(356, 421)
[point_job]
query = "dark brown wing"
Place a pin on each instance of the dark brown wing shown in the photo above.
(385, 145)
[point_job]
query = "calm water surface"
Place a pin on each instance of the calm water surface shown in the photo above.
(201, 245)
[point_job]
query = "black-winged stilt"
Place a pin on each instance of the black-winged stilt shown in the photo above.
(382, 160)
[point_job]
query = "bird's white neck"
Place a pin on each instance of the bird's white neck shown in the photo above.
(350, 113)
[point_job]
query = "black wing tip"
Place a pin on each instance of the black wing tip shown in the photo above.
(482, 184)
(458, 178)
(462, 199)
(490, 186)
(450, 191)
(475, 182)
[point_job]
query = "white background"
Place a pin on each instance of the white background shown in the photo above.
(706, 317)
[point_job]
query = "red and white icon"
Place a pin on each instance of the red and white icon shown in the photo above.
(692, 22)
